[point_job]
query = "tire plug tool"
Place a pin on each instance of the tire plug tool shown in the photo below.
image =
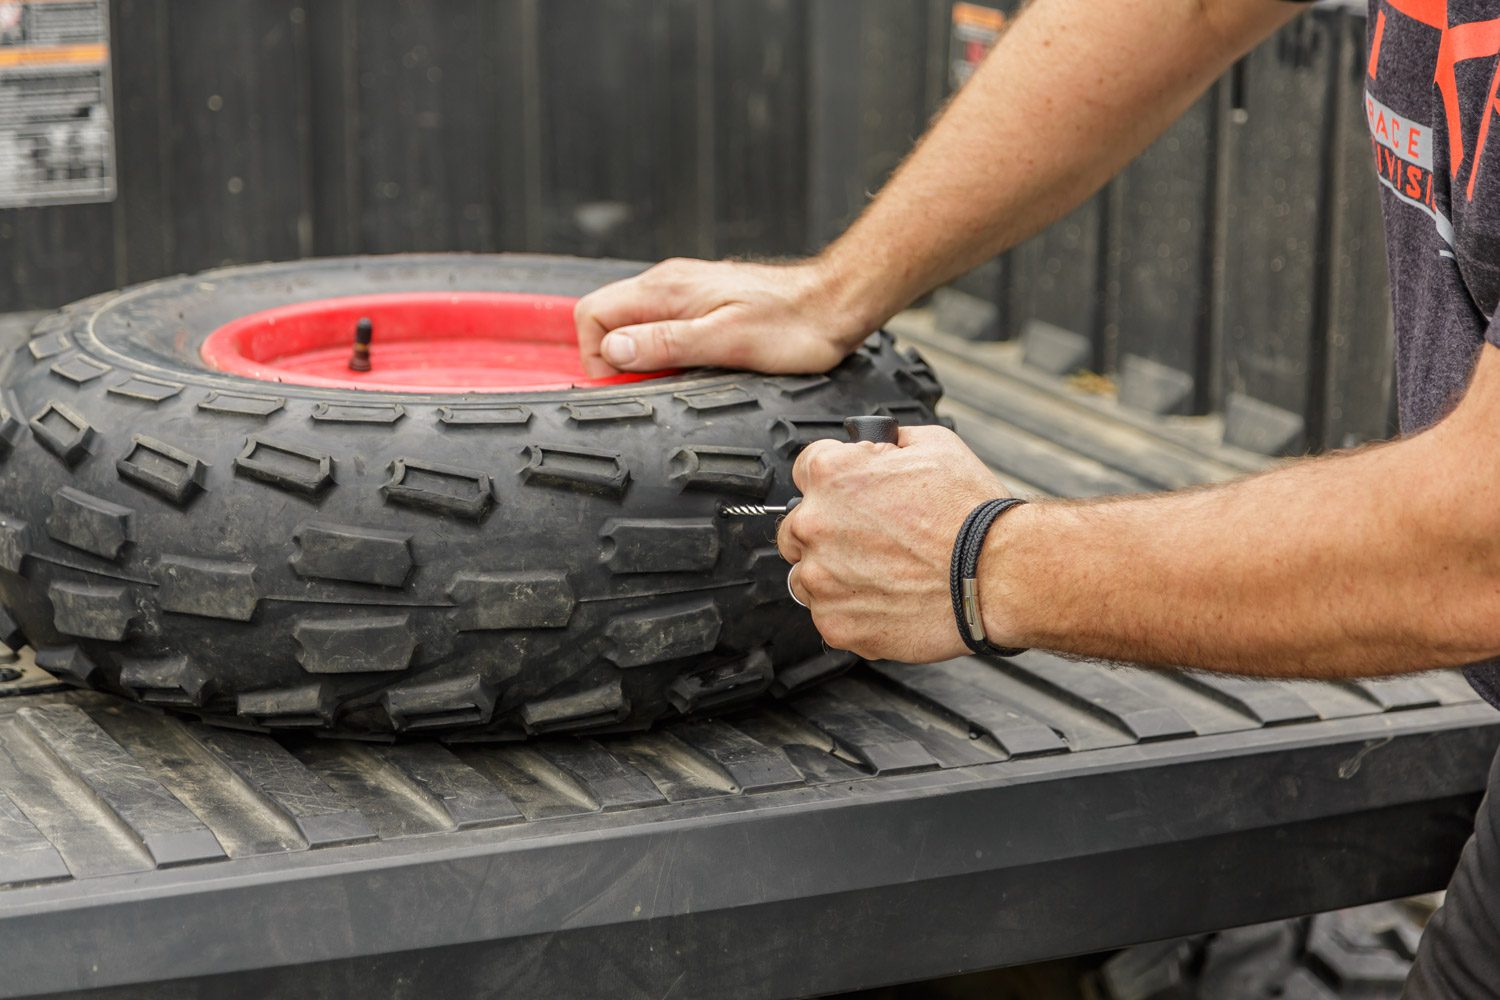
(363, 331)
(880, 430)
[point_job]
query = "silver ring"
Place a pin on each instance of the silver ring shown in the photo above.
(789, 589)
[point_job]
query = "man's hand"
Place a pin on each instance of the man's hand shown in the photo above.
(782, 318)
(872, 539)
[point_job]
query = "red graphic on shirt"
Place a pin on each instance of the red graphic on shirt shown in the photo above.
(1457, 43)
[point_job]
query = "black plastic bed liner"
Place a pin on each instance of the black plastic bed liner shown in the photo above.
(898, 823)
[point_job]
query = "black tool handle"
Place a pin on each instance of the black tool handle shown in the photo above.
(880, 430)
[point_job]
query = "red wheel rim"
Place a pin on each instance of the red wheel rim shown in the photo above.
(423, 342)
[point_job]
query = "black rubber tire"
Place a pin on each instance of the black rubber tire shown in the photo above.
(375, 563)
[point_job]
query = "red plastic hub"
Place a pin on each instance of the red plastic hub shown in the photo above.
(428, 342)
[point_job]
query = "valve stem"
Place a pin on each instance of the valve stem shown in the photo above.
(359, 361)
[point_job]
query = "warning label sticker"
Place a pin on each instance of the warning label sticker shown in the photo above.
(975, 29)
(56, 136)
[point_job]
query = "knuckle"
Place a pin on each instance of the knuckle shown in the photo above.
(833, 630)
(784, 543)
(671, 270)
(665, 345)
(810, 527)
(789, 540)
(819, 460)
(812, 577)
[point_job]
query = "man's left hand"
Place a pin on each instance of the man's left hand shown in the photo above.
(872, 539)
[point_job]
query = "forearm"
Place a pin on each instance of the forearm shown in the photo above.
(1071, 93)
(1379, 561)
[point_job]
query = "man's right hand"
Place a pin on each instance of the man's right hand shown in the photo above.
(777, 318)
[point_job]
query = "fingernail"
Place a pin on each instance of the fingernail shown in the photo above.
(618, 350)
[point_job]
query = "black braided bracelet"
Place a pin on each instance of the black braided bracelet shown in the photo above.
(963, 576)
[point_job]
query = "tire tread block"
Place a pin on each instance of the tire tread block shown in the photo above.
(209, 588)
(664, 545)
(170, 473)
(166, 828)
(906, 412)
(68, 663)
(63, 431)
(15, 542)
(668, 634)
(238, 404)
(350, 644)
(358, 413)
(586, 470)
(512, 600)
(289, 467)
(918, 379)
(48, 345)
(145, 389)
(797, 385)
(440, 489)
(170, 681)
(768, 575)
(92, 610)
(744, 471)
(11, 635)
(348, 552)
(717, 398)
(431, 704)
(80, 368)
(89, 523)
(301, 707)
(12, 431)
(790, 435)
(484, 416)
(722, 684)
(609, 411)
(597, 706)
(798, 676)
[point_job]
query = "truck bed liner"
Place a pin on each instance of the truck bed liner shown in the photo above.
(897, 823)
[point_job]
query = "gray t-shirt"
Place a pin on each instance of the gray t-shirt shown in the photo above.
(1432, 98)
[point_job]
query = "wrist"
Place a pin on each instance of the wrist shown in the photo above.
(1002, 596)
(853, 293)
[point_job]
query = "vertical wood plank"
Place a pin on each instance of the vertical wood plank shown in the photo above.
(236, 71)
(760, 147)
(1166, 251)
(868, 101)
(333, 140)
(618, 175)
(427, 126)
(1358, 324)
(1277, 173)
(143, 116)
